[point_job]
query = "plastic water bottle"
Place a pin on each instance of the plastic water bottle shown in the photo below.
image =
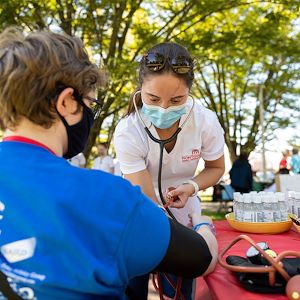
(241, 208)
(291, 202)
(267, 208)
(283, 205)
(297, 204)
(236, 205)
(248, 215)
(275, 208)
(257, 208)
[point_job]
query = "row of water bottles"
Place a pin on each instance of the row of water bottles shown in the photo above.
(265, 206)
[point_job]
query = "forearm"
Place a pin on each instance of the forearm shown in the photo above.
(211, 174)
(208, 177)
(151, 194)
(212, 244)
(143, 179)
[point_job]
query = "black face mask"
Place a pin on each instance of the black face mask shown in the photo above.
(78, 133)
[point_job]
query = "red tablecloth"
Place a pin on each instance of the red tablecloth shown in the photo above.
(222, 284)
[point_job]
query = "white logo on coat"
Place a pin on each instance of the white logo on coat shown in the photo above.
(19, 250)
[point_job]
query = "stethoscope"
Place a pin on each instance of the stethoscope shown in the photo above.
(162, 144)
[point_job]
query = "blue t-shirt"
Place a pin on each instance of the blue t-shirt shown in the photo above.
(72, 233)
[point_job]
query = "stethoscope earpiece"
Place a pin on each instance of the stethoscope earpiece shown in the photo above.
(292, 289)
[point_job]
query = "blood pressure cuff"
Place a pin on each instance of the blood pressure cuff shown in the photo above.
(188, 255)
(259, 282)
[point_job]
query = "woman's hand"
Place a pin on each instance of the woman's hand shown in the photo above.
(177, 197)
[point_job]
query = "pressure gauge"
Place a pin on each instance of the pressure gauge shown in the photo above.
(256, 258)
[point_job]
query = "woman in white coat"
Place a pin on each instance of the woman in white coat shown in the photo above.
(161, 105)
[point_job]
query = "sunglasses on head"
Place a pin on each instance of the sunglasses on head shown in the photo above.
(179, 64)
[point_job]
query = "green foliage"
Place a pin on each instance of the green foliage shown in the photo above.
(238, 45)
(250, 46)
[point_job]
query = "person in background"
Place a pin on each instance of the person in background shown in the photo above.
(68, 232)
(257, 185)
(103, 161)
(271, 187)
(295, 161)
(241, 174)
(78, 160)
(162, 105)
(283, 164)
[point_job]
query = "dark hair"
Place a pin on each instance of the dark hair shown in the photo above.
(168, 50)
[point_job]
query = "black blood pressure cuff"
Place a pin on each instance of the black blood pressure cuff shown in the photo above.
(188, 255)
(259, 282)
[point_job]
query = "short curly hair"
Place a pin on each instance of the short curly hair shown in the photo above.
(31, 68)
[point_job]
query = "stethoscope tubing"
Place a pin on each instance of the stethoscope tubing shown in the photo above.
(162, 144)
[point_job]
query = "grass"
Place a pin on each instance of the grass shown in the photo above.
(214, 215)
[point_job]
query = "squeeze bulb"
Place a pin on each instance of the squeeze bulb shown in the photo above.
(293, 288)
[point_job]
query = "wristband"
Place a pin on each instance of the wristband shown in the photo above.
(211, 227)
(194, 184)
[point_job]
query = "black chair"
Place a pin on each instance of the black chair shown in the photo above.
(226, 197)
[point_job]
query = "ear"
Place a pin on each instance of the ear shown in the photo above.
(66, 104)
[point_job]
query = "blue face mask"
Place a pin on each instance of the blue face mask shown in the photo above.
(163, 118)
